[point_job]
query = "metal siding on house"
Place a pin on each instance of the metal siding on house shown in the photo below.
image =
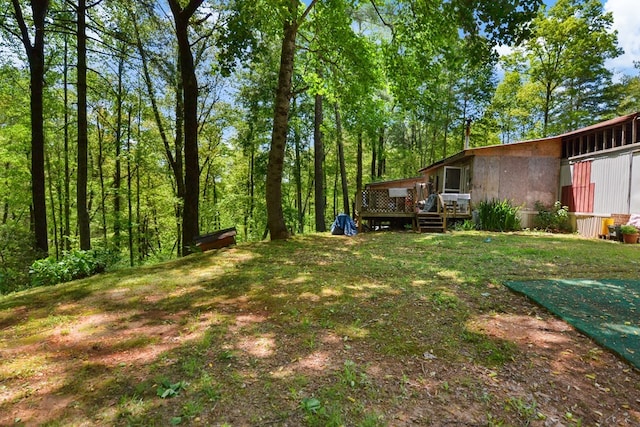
(589, 226)
(635, 185)
(577, 188)
(611, 177)
(566, 197)
(583, 188)
(565, 175)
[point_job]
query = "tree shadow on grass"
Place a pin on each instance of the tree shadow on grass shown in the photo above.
(128, 333)
(268, 326)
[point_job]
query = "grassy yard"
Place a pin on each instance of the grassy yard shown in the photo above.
(382, 329)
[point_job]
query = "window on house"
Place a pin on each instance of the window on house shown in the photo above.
(628, 134)
(452, 179)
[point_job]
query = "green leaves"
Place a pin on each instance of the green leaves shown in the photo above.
(568, 49)
(498, 215)
(311, 405)
(167, 389)
(73, 265)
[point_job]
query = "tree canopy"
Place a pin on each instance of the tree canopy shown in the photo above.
(563, 65)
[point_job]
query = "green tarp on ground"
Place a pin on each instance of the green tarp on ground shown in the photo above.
(605, 310)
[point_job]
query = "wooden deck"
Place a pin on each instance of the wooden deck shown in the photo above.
(382, 208)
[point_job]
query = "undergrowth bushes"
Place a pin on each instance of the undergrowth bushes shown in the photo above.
(553, 219)
(20, 267)
(16, 254)
(498, 215)
(75, 264)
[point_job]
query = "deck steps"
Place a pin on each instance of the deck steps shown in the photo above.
(431, 223)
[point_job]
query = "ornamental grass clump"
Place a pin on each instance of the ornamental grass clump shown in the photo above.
(498, 215)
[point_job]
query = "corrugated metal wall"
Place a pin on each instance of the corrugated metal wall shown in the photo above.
(578, 195)
(583, 187)
(635, 185)
(589, 226)
(611, 176)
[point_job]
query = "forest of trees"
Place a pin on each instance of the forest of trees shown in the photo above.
(136, 126)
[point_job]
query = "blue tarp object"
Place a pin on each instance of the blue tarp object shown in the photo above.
(431, 205)
(344, 225)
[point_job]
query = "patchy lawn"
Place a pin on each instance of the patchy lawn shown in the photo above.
(375, 330)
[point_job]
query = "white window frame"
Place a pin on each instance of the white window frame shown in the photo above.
(446, 189)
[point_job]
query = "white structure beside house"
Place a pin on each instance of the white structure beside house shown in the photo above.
(600, 172)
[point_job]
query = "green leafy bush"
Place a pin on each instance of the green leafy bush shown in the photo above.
(498, 215)
(75, 264)
(466, 225)
(16, 254)
(553, 219)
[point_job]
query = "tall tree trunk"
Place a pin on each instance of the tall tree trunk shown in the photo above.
(547, 107)
(60, 205)
(37, 129)
(374, 159)
(138, 153)
(275, 217)
(53, 208)
(190, 225)
(179, 165)
(343, 167)
(175, 161)
(318, 166)
(250, 183)
(298, 173)
(433, 144)
(129, 201)
(465, 124)
(359, 168)
(5, 207)
(206, 198)
(447, 121)
(83, 142)
(67, 174)
(117, 177)
(381, 156)
(423, 145)
(35, 56)
(335, 191)
(103, 195)
(216, 216)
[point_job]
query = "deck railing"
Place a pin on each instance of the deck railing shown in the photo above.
(383, 201)
(399, 207)
(457, 204)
